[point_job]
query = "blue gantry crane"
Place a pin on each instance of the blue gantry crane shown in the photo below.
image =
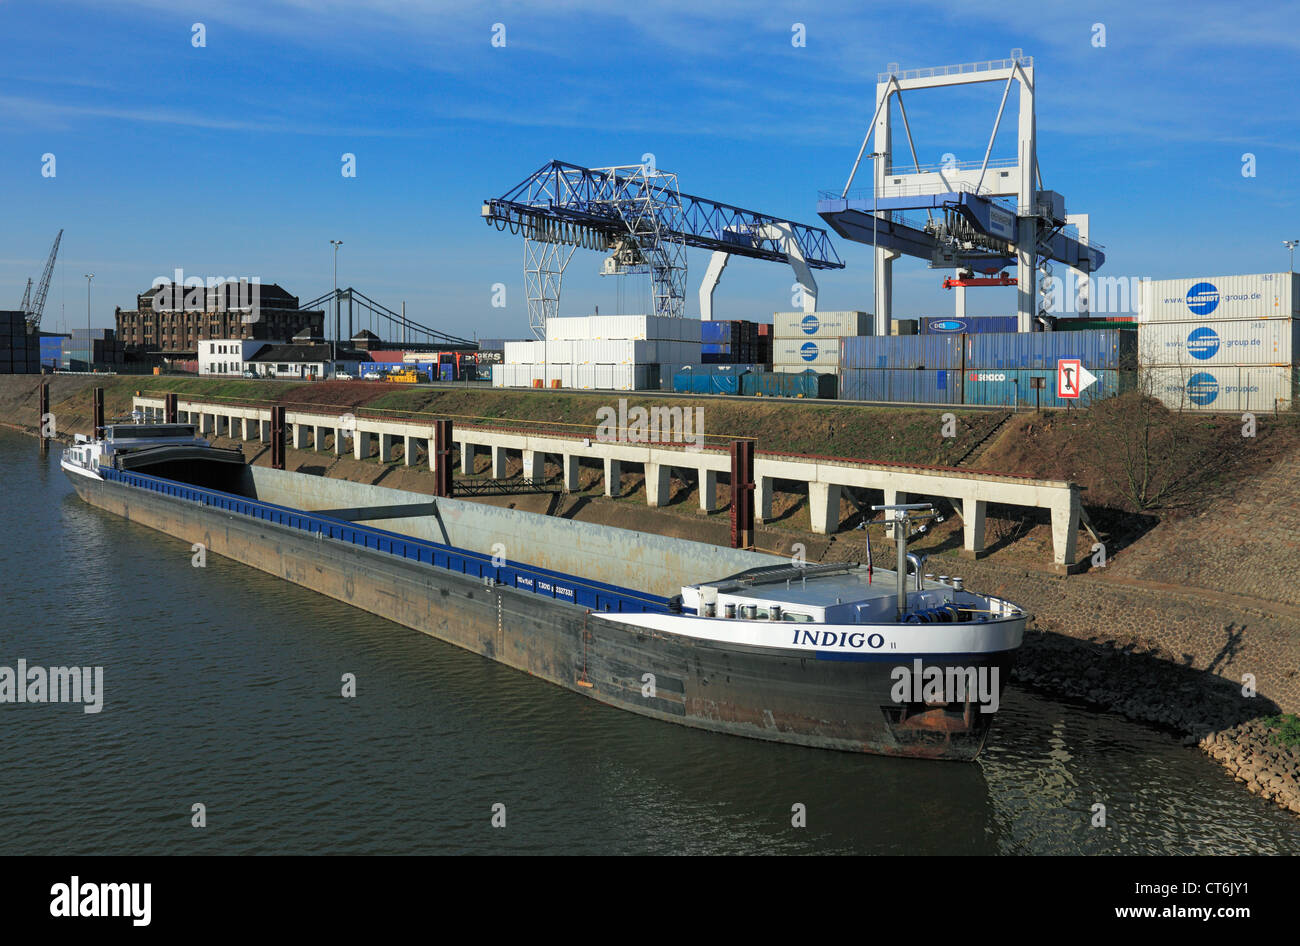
(637, 214)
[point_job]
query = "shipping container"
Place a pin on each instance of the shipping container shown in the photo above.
(1263, 296)
(807, 353)
(1098, 350)
(1223, 388)
(1226, 342)
(1014, 387)
(805, 384)
(622, 328)
(901, 385)
(968, 325)
(821, 325)
(926, 352)
(1083, 324)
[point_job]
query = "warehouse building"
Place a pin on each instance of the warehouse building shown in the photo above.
(172, 319)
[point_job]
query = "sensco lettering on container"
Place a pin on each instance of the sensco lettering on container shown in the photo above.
(810, 324)
(987, 376)
(1203, 298)
(855, 639)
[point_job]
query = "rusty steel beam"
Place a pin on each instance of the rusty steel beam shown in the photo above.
(742, 494)
(97, 412)
(442, 444)
(169, 407)
(277, 437)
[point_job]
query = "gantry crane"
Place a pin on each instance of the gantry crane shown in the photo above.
(637, 214)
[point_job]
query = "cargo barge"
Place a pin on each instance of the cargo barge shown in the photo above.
(827, 656)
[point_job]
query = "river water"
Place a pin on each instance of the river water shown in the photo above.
(222, 688)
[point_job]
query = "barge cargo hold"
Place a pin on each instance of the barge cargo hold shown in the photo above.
(805, 655)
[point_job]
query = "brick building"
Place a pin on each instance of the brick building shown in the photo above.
(172, 319)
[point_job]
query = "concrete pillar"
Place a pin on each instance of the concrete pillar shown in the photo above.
(1065, 529)
(386, 447)
(708, 490)
(298, 431)
(433, 459)
(534, 465)
(824, 507)
(972, 518)
(360, 444)
(338, 441)
(570, 463)
(243, 423)
(498, 463)
(408, 450)
(318, 438)
(658, 483)
(613, 476)
(264, 430)
(466, 458)
(763, 489)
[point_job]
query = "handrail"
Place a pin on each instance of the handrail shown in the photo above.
(596, 595)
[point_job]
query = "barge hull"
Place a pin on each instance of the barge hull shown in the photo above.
(762, 693)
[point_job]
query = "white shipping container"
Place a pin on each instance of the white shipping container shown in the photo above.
(499, 376)
(1225, 388)
(822, 352)
(1263, 296)
(1219, 342)
(821, 324)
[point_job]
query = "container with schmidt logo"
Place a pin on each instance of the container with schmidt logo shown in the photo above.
(1202, 388)
(808, 351)
(810, 324)
(1203, 298)
(1203, 343)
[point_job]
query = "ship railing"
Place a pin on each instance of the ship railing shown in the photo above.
(594, 595)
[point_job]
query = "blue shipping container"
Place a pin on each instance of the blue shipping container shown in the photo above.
(927, 352)
(1012, 388)
(969, 325)
(901, 385)
(1097, 349)
(715, 332)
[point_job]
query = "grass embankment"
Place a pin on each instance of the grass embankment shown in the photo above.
(867, 433)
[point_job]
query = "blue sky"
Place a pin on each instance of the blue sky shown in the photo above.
(225, 160)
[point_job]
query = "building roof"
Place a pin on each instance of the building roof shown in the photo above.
(309, 354)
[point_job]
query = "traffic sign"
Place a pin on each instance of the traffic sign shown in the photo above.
(1072, 378)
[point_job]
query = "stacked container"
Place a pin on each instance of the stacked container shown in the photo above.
(912, 369)
(1221, 343)
(20, 351)
(729, 342)
(804, 340)
(999, 369)
(97, 347)
(609, 352)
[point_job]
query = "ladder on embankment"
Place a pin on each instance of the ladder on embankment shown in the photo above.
(988, 436)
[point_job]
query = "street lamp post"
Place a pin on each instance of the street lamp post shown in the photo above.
(90, 343)
(336, 244)
(1291, 245)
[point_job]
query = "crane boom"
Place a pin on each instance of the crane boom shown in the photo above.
(38, 303)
